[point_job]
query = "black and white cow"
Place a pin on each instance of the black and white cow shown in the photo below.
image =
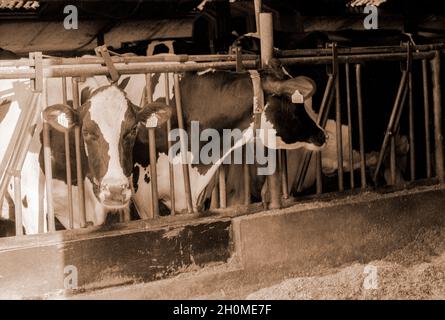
(108, 122)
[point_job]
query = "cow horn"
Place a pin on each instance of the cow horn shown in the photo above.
(299, 86)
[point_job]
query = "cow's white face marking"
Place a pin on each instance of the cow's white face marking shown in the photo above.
(107, 110)
(266, 125)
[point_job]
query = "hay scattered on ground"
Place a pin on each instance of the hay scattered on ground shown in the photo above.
(417, 271)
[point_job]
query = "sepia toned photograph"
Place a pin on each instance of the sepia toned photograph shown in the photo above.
(237, 152)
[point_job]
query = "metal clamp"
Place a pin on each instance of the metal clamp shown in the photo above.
(37, 61)
(407, 66)
(103, 52)
(332, 70)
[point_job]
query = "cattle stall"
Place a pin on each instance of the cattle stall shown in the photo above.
(155, 246)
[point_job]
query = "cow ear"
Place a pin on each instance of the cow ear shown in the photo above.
(154, 114)
(61, 117)
(124, 83)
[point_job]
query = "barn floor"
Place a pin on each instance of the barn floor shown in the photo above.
(409, 266)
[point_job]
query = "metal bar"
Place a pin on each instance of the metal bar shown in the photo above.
(339, 134)
(357, 50)
(184, 149)
(358, 75)
(392, 122)
(86, 71)
(412, 141)
(153, 171)
(79, 169)
(437, 105)
(348, 106)
(283, 170)
(152, 152)
(393, 161)
(48, 166)
(266, 39)
(222, 188)
(258, 9)
(426, 108)
(171, 173)
(18, 205)
(69, 180)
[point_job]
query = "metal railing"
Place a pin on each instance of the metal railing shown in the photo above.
(71, 70)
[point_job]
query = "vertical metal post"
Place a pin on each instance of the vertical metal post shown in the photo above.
(79, 169)
(246, 178)
(283, 170)
(18, 208)
(153, 171)
(358, 75)
(426, 108)
(266, 38)
(437, 105)
(169, 145)
(393, 161)
(48, 166)
(338, 127)
(152, 152)
(69, 181)
(184, 149)
(348, 105)
(258, 8)
(412, 141)
(222, 188)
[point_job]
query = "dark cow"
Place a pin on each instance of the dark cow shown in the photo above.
(223, 100)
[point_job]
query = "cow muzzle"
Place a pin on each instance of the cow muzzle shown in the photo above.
(115, 195)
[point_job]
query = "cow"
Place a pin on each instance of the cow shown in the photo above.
(223, 100)
(108, 121)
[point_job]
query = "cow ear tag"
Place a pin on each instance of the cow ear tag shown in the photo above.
(60, 117)
(297, 97)
(152, 121)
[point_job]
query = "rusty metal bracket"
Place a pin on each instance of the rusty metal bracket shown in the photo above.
(103, 52)
(332, 70)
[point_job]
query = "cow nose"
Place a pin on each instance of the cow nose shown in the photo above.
(320, 138)
(115, 194)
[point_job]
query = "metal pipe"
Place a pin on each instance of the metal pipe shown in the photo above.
(79, 168)
(437, 105)
(339, 134)
(426, 108)
(348, 105)
(358, 75)
(184, 149)
(171, 173)
(153, 171)
(152, 152)
(47, 165)
(412, 141)
(258, 9)
(18, 205)
(393, 161)
(86, 71)
(356, 50)
(283, 170)
(222, 188)
(69, 180)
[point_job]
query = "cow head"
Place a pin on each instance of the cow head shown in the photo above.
(288, 111)
(109, 123)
